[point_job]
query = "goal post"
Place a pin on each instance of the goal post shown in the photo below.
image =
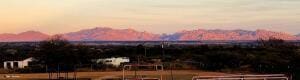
(156, 67)
(243, 77)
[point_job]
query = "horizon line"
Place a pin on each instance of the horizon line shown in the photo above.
(16, 33)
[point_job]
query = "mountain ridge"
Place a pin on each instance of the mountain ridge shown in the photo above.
(218, 34)
(109, 34)
(23, 37)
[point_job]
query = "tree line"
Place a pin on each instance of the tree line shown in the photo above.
(269, 56)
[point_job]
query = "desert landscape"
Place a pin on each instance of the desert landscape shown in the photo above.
(149, 40)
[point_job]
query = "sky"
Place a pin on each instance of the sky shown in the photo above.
(156, 16)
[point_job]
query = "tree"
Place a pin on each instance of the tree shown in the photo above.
(56, 51)
(273, 42)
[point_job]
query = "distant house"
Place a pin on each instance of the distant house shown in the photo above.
(17, 64)
(115, 61)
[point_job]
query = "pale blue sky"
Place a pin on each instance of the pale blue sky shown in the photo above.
(158, 16)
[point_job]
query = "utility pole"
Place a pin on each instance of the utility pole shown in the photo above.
(145, 49)
(172, 77)
(163, 50)
(135, 71)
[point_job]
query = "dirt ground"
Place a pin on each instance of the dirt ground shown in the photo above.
(166, 75)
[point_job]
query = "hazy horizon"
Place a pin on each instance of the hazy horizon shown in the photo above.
(155, 16)
(133, 29)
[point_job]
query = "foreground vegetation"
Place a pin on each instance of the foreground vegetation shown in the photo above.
(267, 56)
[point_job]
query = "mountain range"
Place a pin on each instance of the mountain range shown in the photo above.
(25, 36)
(109, 34)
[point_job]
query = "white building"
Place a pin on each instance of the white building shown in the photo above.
(17, 64)
(113, 61)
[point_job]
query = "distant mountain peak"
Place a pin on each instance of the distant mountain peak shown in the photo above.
(102, 28)
(109, 34)
(24, 36)
(32, 32)
(261, 30)
(218, 34)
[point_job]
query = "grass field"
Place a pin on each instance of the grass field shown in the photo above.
(178, 75)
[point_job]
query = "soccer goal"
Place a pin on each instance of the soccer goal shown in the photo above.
(143, 72)
(243, 77)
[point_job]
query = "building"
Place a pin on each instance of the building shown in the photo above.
(115, 61)
(17, 64)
